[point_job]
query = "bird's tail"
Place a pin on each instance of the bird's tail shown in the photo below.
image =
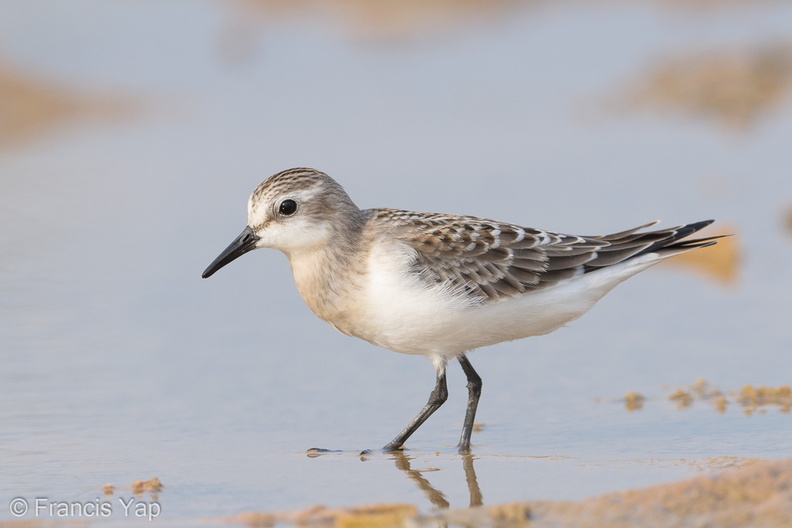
(633, 243)
(675, 241)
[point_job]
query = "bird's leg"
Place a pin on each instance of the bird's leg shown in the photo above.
(474, 392)
(436, 399)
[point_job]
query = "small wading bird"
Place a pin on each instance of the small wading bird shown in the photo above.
(438, 285)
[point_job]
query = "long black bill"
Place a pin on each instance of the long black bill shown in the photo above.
(245, 242)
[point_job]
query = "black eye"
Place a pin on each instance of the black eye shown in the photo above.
(288, 207)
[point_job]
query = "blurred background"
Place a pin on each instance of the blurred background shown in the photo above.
(132, 132)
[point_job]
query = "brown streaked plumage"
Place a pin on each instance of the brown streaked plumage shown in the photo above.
(492, 259)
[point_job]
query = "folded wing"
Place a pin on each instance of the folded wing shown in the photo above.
(492, 260)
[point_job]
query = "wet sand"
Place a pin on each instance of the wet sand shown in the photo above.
(756, 493)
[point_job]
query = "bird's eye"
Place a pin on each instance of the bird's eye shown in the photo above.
(288, 207)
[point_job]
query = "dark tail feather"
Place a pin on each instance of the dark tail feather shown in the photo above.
(675, 242)
(632, 243)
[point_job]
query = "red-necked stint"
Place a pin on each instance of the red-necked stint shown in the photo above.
(438, 285)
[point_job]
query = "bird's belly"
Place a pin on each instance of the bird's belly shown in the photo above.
(412, 319)
(435, 329)
(407, 317)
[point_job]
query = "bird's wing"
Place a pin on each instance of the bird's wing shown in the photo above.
(492, 260)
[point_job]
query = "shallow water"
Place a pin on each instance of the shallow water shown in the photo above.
(149, 124)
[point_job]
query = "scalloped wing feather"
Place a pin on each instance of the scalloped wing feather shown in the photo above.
(488, 260)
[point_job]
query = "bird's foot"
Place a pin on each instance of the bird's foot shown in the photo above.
(464, 449)
(318, 451)
(385, 450)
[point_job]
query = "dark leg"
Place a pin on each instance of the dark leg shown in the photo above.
(474, 392)
(436, 399)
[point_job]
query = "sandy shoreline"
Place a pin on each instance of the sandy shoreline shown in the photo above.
(756, 494)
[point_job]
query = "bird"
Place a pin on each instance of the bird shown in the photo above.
(438, 285)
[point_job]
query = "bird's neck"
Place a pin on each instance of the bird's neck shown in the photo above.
(327, 277)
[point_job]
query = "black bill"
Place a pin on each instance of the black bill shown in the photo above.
(245, 242)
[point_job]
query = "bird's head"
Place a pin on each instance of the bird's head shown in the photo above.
(294, 210)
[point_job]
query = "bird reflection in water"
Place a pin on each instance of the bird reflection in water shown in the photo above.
(434, 495)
